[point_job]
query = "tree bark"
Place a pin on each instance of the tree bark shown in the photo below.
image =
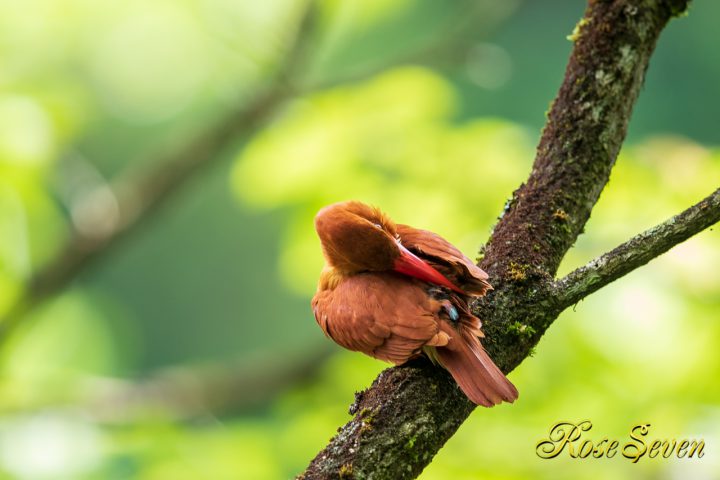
(410, 411)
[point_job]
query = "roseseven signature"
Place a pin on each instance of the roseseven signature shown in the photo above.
(567, 436)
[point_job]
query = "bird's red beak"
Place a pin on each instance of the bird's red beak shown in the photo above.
(411, 265)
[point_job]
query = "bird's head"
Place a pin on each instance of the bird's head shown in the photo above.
(359, 238)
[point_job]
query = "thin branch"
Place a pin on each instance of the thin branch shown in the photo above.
(409, 412)
(637, 251)
(195, 391)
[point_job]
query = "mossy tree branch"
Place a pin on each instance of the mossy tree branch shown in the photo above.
(409, 412)
(637, 251)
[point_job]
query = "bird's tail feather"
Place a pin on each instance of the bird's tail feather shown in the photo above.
(475, 372)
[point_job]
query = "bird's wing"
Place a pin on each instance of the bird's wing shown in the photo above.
(446, 258)
(383, 315)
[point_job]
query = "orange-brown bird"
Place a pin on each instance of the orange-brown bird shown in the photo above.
(395, 292)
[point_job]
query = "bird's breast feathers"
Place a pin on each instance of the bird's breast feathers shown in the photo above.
(384, 315)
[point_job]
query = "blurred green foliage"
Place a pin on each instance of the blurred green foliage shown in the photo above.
(348, 143)
(223, 276)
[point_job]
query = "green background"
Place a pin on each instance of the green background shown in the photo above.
(190, 351)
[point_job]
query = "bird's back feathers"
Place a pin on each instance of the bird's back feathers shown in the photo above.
(446, 258)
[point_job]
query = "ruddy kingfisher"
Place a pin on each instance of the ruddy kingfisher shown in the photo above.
(395, 292)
